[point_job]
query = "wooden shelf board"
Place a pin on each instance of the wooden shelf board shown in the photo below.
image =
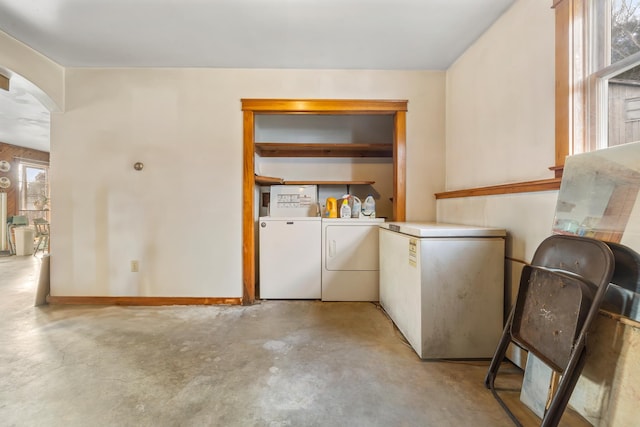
(280, 149)
(268, 180)
(329, 182)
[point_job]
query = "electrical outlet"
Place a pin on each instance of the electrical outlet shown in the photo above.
(135, 266)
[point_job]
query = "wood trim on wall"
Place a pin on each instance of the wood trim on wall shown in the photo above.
(399, 166)
(563, 11)
(319, 106)
(248, 221)
(146, 301)
(570, 69)
(4, 82)
(518, 187)
(512, 259)
(620, 318)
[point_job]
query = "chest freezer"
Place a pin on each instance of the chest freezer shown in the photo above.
(443, 287)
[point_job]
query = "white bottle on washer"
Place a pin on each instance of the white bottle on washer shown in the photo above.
(345, 209)
(369, 207)
(356, 208)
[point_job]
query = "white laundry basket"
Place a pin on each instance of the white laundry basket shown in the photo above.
(24, 240)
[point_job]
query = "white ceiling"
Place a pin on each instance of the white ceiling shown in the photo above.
(24, 121)
(325, 34)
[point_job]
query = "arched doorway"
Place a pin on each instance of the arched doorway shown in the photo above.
(24, 156)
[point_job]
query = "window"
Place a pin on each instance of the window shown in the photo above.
(615, 66)
(625, 29)
(598, 73)
(33, 189)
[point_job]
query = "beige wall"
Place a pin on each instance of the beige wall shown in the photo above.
(181, 216)
(500, 102)
(500, 129)
(500, 126)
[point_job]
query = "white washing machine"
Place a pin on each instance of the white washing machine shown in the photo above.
(350, 267)
(289, 255)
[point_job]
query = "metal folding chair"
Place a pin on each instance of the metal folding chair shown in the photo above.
(623, 293)
(42, 234)
(559, 297)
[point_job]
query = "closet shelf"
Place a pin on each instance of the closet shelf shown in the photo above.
(285, 149)
(268, 180)
(329, 182)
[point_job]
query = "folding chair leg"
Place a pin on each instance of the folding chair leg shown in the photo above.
(565, 388)
(35, 251)
(501, 351)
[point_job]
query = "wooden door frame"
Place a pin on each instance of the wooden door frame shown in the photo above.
(251, 107)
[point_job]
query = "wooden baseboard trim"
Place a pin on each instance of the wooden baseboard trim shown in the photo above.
(148, 301)
(518, 187)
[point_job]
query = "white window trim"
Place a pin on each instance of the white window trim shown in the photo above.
(600, 87)
(22, 164)
(599, 72)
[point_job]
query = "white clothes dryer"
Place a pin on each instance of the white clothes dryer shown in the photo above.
(350, 262)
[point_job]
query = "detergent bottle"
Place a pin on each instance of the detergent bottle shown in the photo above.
(332, 208)
(369, 209)
(356, 207)
(345, 209)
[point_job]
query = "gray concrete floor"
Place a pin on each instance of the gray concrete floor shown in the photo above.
(276, 363)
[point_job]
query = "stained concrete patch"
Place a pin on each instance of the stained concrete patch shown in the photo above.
(276, 346)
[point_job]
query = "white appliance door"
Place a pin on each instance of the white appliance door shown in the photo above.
(350, 261)
(351, 247)
(290, 255)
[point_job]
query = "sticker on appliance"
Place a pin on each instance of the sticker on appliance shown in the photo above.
(413, 252)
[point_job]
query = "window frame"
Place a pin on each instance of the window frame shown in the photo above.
(582, 75)
(570, 80)
(600, 83)
(21, 193)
